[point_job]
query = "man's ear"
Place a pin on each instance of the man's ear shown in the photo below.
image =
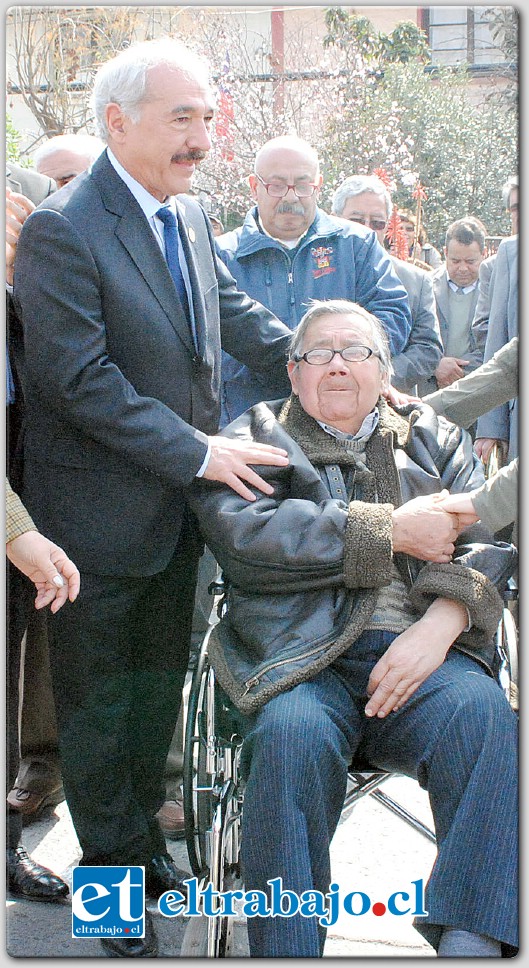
(293, 373)
(117, 122)
(252, 181)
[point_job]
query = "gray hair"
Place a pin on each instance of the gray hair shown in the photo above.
(357, 185)
(123, 79)
(83, 145)
(343, 307)
(507, 188)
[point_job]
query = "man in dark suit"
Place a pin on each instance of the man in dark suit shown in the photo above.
(121, 374)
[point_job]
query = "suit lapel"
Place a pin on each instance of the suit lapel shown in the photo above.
(135, 234)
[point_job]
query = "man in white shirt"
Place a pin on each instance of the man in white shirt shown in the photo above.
(123, 325)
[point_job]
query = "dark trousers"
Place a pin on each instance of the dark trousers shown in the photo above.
(20, 593)
(457, 735)
(119, 658)
(39, 770)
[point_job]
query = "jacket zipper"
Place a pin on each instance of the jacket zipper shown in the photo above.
(254, 680)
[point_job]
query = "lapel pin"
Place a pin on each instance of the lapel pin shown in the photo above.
(191, 233)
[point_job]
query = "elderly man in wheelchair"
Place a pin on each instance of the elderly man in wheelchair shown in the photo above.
(360, 621)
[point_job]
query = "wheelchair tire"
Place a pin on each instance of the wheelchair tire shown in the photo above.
(221, 937)
(509, 643)
(197, 805)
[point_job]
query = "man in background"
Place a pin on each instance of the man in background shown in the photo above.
(66, 156)
(366, 200)
(289, 251)
(456, 289)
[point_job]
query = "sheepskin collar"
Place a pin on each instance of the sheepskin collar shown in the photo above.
(321, 448)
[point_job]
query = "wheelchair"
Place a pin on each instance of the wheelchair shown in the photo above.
(213, 795)
(213, 789)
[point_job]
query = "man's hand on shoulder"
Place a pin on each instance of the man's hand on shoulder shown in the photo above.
(396, 398)
(230, 459)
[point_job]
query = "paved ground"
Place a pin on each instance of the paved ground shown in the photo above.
(373, 851)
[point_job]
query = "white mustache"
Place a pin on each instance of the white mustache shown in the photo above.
(286, 208)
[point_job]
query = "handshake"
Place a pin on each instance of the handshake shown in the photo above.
(428, 526)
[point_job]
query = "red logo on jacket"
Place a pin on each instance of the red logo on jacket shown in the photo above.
(322, 257)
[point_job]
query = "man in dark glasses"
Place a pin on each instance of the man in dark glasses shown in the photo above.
(364, 199)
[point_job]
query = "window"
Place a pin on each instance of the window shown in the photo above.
(460, 35)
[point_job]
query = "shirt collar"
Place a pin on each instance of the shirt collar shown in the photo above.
(464, 289)
(288, 243)
(369, 424)
(147, 202)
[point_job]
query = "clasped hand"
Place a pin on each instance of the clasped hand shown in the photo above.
(424, 529)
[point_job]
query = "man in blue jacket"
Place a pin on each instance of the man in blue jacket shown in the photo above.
(289, 251)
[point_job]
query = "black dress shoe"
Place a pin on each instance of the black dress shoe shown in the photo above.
(146, 947)
(26, 878)
(162, 874)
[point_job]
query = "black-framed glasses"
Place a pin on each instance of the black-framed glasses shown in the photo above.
(321, 355)
(279, 189)
(377, 224)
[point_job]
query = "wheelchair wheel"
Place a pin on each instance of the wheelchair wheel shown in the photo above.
(212, 808)
(221, 937)
(507, 652)
(197, 801)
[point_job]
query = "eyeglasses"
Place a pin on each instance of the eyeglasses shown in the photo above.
(319, 356)
(279, 189)
(374, 223)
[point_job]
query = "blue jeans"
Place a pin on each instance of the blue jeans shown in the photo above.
(456, 735)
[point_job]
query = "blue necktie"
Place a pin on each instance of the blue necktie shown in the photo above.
(171, 252)
(10, 383)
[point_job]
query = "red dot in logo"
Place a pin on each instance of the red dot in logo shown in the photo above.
(127, 930)
(378, 909)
